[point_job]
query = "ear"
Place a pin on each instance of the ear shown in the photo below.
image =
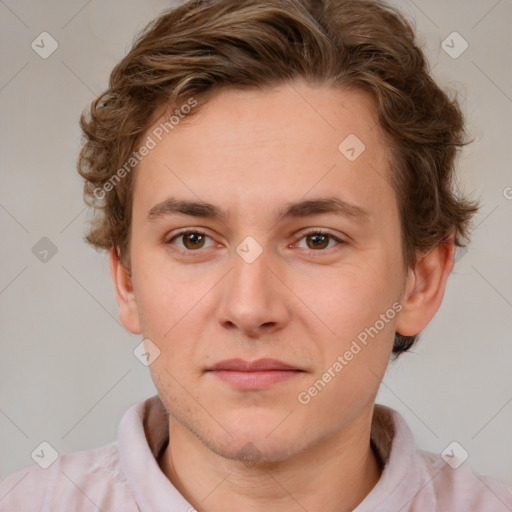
(424, 288)
(128, 312)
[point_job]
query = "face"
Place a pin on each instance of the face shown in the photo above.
(256, 235)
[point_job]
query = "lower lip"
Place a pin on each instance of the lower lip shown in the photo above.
(255, 380)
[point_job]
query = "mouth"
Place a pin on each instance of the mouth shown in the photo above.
(252, 375)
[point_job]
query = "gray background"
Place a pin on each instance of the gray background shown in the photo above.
(67, 371)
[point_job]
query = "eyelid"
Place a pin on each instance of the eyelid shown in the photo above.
(184, 231)
(321, 231)
(169, 239)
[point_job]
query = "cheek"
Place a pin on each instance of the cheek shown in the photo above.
(349, 298)
(162, 293)
(172, 315)
(358, 309)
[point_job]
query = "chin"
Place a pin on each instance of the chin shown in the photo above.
(258, 440)
(252, 434)
(253, 452)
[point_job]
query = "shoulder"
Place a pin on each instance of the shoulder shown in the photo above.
(84, 479)
(417, 480)
(455, 486)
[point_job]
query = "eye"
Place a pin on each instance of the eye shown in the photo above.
(191, 240)
(320, 240)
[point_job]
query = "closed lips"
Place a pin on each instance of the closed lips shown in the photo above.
(260, 365)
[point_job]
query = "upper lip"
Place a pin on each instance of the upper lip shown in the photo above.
(251, 366)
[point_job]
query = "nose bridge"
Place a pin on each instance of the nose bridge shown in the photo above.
(250, 274)
(251, 298)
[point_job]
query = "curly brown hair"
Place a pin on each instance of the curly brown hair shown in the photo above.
(201, 47)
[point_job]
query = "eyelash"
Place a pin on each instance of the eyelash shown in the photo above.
(304, 235)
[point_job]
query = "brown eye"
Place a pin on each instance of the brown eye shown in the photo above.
(190, 240)
(317, 241)
(193, 240)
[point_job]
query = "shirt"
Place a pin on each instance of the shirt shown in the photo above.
(125, 476)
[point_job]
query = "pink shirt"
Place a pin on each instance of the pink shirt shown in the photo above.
(124, 476)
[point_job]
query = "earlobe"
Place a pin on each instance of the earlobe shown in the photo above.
(424, 288)
(125, 296)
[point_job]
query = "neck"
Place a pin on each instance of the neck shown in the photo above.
(341, 470)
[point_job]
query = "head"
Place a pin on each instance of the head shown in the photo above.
(249, 124)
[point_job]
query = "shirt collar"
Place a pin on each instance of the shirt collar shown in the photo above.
(143, 434)
(401, 477)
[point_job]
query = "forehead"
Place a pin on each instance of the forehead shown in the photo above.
(248, 146)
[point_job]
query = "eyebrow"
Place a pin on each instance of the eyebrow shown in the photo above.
(334, 205)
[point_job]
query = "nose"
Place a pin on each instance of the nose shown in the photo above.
(253, 299)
